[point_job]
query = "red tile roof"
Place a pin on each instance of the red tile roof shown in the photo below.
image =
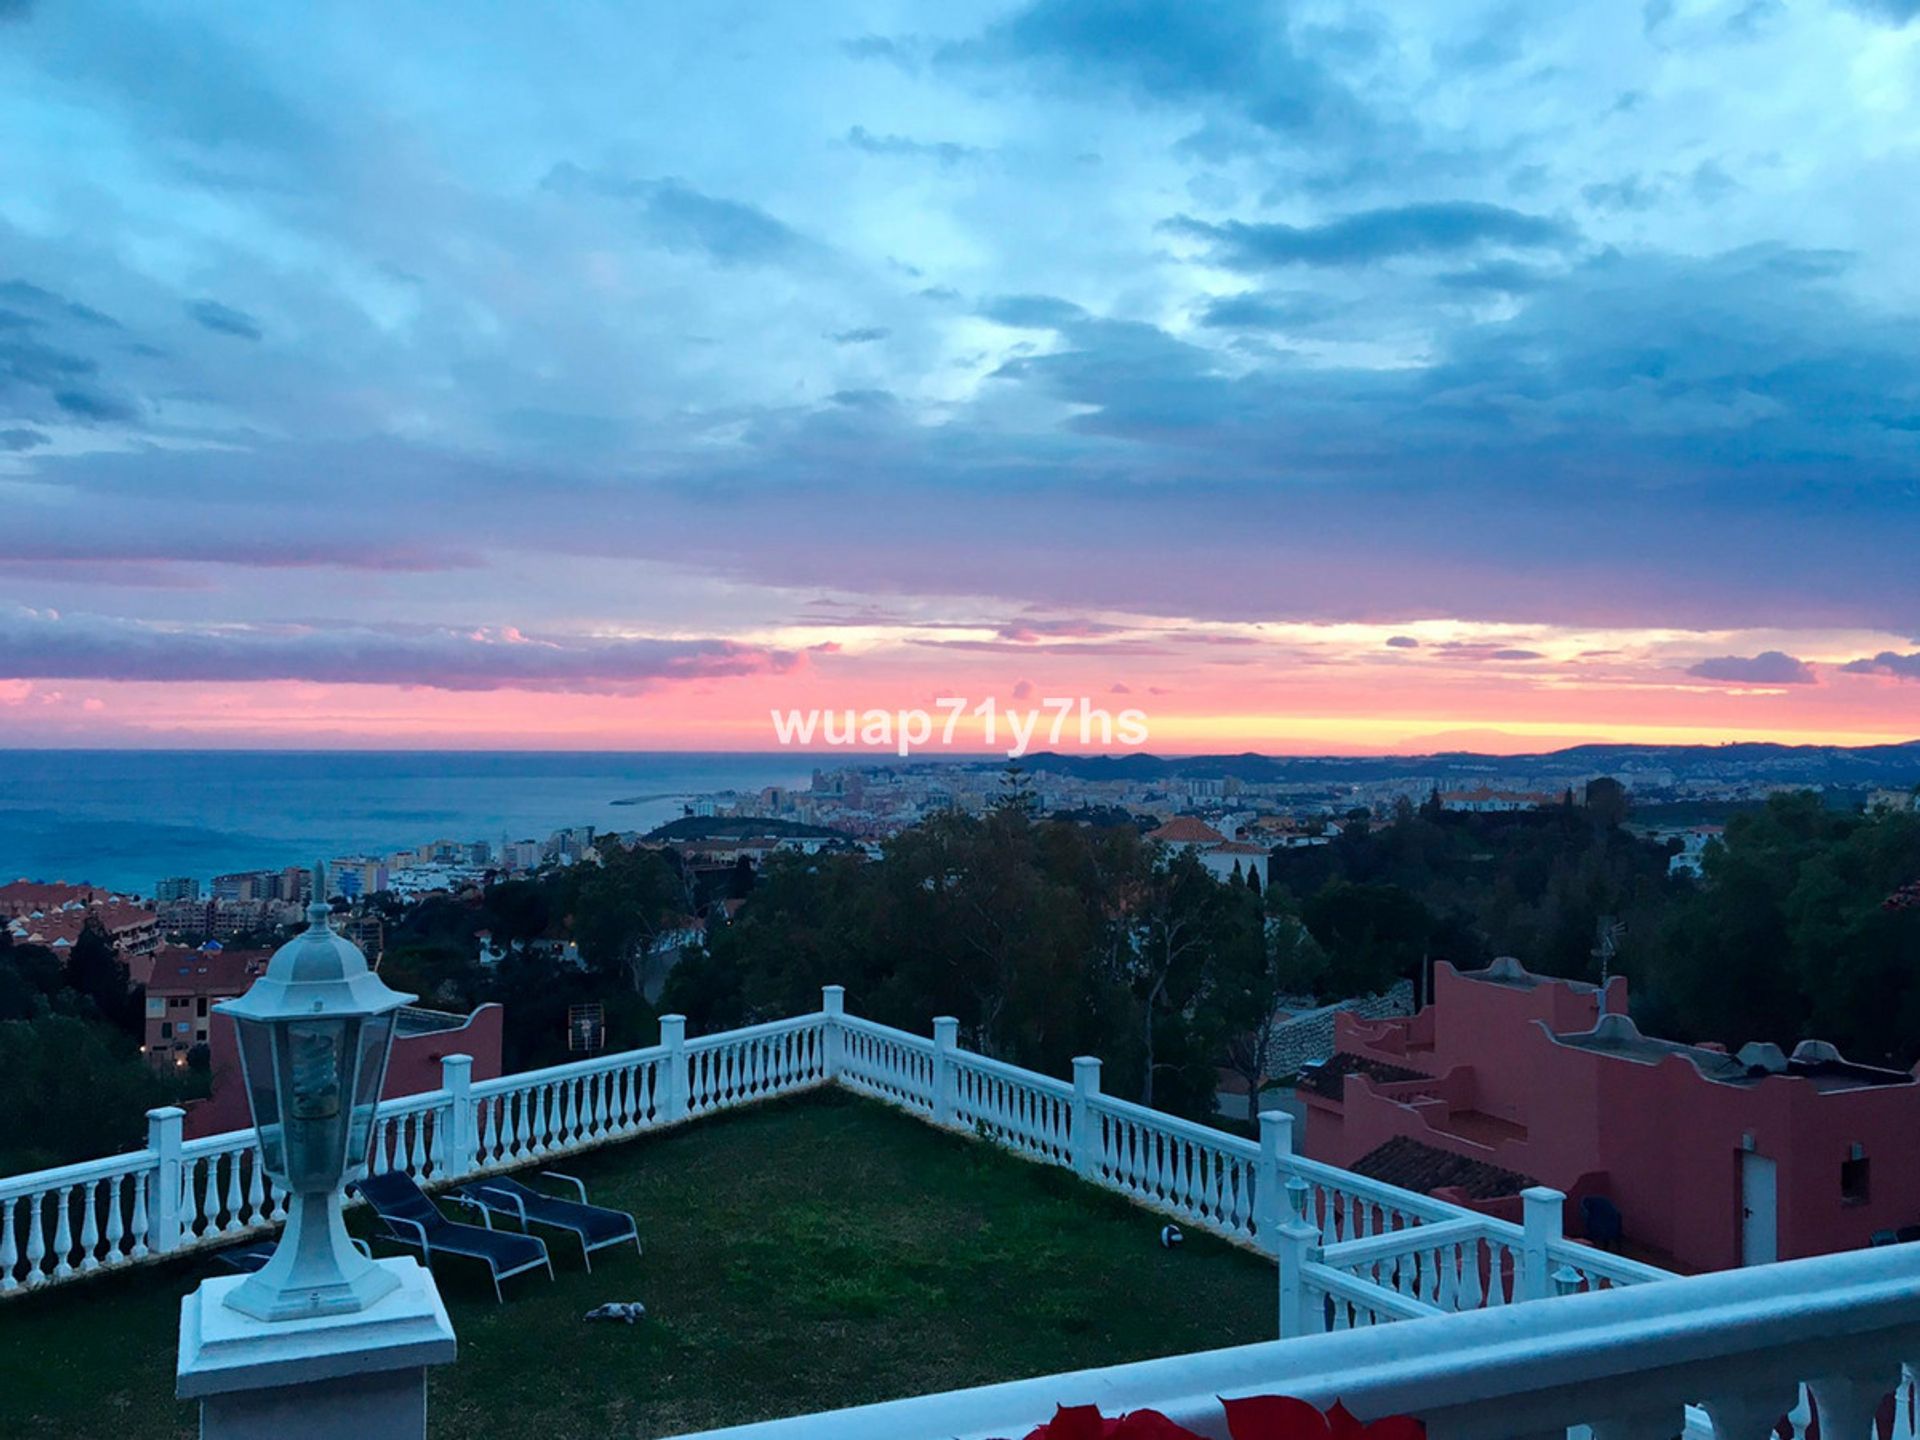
(1411, 1165)
(1187, 830)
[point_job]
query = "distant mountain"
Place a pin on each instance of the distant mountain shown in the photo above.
(1864, 765)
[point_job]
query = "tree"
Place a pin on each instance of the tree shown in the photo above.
(1286, 962)
(1373, 935)
(1186, 926)
(94, 969)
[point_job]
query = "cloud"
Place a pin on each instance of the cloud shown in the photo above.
(1508, 277)
(38, 297)
(864, 335)
(1888, 12)
(1367, 237)
(1271, 310)
(1403, 642)
(41, 644)
(1235, 55)
(1031, 312)
(224, 319)
(95, 405)
(678, 217)
(947, 154)
(1769, 667)
(1887, 662)
(22, 439)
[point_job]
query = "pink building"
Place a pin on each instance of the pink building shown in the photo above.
(1712, 1160)
(421, 1039)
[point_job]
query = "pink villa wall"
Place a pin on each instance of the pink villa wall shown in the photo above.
(414, 1067)
(1659, 1139)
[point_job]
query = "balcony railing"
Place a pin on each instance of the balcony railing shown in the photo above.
(1352, 1252)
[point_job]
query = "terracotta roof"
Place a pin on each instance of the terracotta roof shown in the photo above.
(1411, 1165)
(1236, 847)
(1186, 830)
(1330, 1078)
(179, 971)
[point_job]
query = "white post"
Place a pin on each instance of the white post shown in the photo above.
(833, 1004)
(946, 1035)
(1086, 1123)
(673, 1035)
(1541, 1214)
(457, 1145)
(163, 1211)
(1299, 1244)
(1269, 1201)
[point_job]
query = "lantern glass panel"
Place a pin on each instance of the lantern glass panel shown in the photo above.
(375, 1038)
(263, 1093)
(315, 1060)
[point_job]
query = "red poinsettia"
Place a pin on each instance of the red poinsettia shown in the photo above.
(1257, 1417)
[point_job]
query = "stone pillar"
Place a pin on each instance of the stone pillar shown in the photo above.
(1086, 1120)
(946, 1036)
(833, 1004)
(163, 1211)
(1541, 1216)
(363, 1374)
(462, 1138)
(673, 1097)
(1269, 1200)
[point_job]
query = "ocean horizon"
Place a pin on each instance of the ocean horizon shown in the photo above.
(124, 819)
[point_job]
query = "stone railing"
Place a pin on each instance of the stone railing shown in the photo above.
(1352, 1252)
(1722, 1356)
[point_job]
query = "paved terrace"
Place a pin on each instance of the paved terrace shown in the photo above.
(774, 1241)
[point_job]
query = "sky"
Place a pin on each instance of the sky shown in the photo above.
(1311, 377)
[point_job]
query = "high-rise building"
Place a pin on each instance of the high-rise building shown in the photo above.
(177, 887)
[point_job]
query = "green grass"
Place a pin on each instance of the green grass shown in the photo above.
(802, 1255)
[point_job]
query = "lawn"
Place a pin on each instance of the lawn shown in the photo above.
(800, 1255)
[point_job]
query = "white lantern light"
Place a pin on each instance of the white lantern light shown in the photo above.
(314, 1034)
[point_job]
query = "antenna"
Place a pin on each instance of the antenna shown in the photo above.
(1607, 933)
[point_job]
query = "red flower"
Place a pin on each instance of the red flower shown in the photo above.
(1254, 1417)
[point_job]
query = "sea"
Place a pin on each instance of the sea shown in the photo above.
(124, 819)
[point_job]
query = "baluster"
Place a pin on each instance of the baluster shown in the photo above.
(537, 1126)
(1470, 1292)
(63, 1232)
(1496, 1274)
(90, 1225)
(190, 1208)
(9, 1257)
(604, 1109)
(256, 1188)
(36, 1240)
(233, 1192)
(1750, 1414)
(139, 1234)
(507, 1125)
(116, 1222)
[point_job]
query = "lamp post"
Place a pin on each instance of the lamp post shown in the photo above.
(314, 1035)
(321, 1341)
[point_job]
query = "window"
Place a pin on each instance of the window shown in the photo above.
(166, 1029)
(202, 1006)
(1853, 1181)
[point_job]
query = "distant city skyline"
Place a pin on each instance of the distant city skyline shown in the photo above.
(1313, 378)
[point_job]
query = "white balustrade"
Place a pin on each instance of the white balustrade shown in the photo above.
(1386, 1253)
(1629, 1363)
